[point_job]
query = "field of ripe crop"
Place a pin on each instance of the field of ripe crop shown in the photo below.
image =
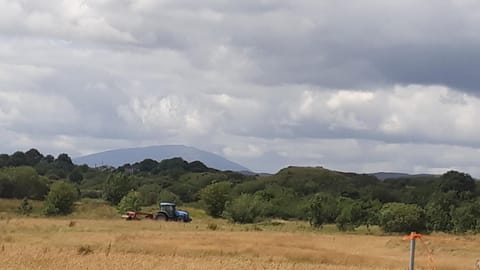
(41, 243)
(94, 237)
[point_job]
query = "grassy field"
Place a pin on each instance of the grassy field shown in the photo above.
(96, 239)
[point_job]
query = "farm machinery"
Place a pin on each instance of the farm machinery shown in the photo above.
(168, 212)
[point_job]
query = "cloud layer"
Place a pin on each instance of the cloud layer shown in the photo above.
(347, 85)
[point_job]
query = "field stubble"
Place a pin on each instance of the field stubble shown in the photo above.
(93, 237)
(41, 243)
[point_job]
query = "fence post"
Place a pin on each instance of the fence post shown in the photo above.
(412, 251)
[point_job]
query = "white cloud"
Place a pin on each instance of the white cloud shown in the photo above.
(349, 98)
(244, 151)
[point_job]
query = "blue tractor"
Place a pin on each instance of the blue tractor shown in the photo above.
(168, 212)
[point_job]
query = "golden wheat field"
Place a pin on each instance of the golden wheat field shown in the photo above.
(86, 243)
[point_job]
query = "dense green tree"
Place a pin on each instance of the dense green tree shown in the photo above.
(457, 182)
(372, 210)
(49, 158)
(60, 199)
(6, 186)
(323, 209)
(32, 157)
(351, 214)
(249, 187)
(282, 202)
(4, 160)
(129, 202)
(214, 197)
(64, 163)
(42, 167)
(316, 215)
(185, 191)
(173, 165)
(438, 211)
(76, 176)
(197, 166)
(401, 217)
(149, 194)
(466, 217)
(20, 182)
(115, 187)
(17, 159)
(168, 196)
(147, 165)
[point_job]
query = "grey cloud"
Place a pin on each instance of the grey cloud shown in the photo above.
(334, 44)
(249, 75)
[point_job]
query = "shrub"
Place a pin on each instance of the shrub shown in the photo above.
(116, 186)
(148, 194)
(400, 217)
(91, 194)
(167, 196)
(438, 211)
(214, 197)
(60, 199)
(76, 176)
(323, 208)
(351, 215)
(25, 207)
(466, 217)
(212, 226)
(130, 202)
(244, 209)
(21, 182)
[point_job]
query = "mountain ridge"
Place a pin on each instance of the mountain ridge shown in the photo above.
(395, 175)
(119, 157)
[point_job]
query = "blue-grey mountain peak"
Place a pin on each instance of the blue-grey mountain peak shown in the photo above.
(120, 157)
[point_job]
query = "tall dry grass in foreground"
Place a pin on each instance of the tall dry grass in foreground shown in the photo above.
(40, 243)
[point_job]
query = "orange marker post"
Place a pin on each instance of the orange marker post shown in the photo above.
(412, 237)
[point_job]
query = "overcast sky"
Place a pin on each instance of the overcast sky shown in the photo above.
(358, 86)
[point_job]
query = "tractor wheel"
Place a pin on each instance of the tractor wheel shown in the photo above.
(161, 217)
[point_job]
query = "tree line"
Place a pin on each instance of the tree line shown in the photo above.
(448, 203)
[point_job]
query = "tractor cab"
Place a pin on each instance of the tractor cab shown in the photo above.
(169, 208)
(168, 211)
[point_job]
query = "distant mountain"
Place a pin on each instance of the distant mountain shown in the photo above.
(120, 157)
(393, 175)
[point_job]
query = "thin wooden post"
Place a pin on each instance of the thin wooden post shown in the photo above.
(412, 251)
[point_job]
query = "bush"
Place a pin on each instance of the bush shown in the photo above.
(438, 211)
(214, 197)
(400, 217)
(351, 215)
(323, 208)
(167, 196)
(116, 186)
(60, 199)
(244, 209)
(25, 207)
(91, 194)
(148, 194)
(212, 226)
(466, 217)
(21, 182)
(76, 176)
(281, 202)
(130, 202)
